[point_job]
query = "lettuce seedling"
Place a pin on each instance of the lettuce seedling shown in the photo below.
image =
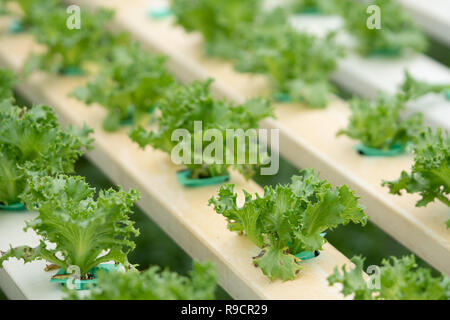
(289, 219)
(413, 89)
(69, 49)
(297, 64)
(76, 229)
(129, 87)
(377, 124)
(31, 140)
(397, 35)
(399, 279)
(7, 80)
(153, 284)
(430, 173)
(32, 11)
(220, 22)
(193, 110)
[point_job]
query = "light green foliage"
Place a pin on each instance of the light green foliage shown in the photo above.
(85, 231)
(297, 64)
(32, 140)
(69, 49)
(185, 105)
(377, 124)
(398, 33)
(430, 173)
(129, 87)
(7, 80)
(400, 279)
(413, 89)
(153, 284)
(289, 219)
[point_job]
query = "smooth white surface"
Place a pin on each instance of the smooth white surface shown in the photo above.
(19, 280)
(432, 15)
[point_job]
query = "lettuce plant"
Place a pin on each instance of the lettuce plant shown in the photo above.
(83, 231)
(187, 106)
(430, 173)
(32, 11)
(289, 219)
(377, 124)
(7, 80)
(399, 279)
(69, 49)
(413, 89)
(129, 87)
(398, 33)
(153, 284)
(297, 64)
(220, 22)
(32, 140)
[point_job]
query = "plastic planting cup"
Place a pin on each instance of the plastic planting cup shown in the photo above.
(395, 150)
(183, 179)
(310, 10)
(16, 27)
(282, 97)
(85, 284)
(72, 71)
(13, 207)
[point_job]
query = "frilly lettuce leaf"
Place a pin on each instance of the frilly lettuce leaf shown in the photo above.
(413, 88)
(32, 140)
(377, 124)
(183, 106)
(7, 80)
(84, 231)
(289, 219)
(129, 87)
(69, 49)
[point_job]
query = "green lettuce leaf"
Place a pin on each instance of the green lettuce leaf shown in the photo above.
(430, 173)
(398, 34)
(377, 124)
(70, 49)
(289, 219)
(399, 279)
(153, 284)
(297, 64)
(413, 89)
(7, 80)
(84, 231)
